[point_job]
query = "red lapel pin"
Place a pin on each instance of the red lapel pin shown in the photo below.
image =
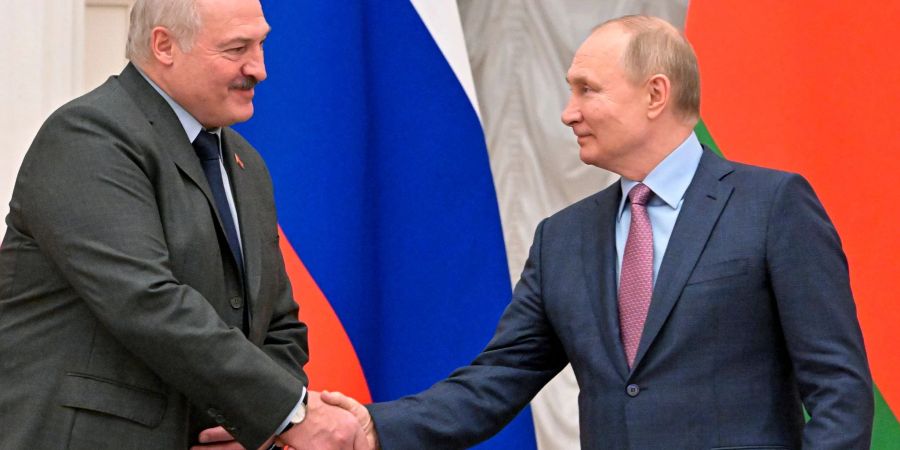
(237, 159)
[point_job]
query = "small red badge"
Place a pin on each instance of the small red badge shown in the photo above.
(237, 159)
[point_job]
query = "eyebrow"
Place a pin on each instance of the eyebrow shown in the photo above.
(576, 79)
(245, 40)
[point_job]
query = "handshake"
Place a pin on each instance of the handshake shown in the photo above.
(333, 421)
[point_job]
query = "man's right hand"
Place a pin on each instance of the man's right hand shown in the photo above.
(326, 427)
(359, 412)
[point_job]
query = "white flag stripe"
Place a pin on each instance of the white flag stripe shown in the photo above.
(441, 17)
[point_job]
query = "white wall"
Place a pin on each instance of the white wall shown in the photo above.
(54, 50)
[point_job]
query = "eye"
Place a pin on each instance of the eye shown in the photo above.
(581, 89)
(236, 50)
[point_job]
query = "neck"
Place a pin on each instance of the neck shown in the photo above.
(155, 73)
(657, 147)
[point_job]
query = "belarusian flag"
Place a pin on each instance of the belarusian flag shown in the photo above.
(812, 87)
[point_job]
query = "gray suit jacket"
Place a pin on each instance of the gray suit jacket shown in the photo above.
(120, 305)
(751, 319)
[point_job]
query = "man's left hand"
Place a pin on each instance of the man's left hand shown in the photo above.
(217, 439)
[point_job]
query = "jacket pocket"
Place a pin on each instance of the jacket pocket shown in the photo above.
(93, 393)
(715, 271)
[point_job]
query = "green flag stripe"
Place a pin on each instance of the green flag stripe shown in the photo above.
(886, 429)
(705, 137)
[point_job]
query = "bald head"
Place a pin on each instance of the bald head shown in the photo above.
(656, 47)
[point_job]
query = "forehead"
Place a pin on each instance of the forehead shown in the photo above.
(232, 18)
(601, 53)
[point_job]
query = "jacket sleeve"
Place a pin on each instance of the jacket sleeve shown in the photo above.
(478, 400)
(286, 337)
(810, 281)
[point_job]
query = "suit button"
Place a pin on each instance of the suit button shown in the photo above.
(236, 302)
(633, 390)
(220, 419)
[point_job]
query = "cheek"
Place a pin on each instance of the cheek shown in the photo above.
(218, 77)
(597, 112)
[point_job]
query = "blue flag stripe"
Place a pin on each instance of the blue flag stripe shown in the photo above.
(383, 185)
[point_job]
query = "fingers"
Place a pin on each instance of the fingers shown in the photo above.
(348, 403)
(325, 427)
(372, 438)
(342, 401)
(233, 445)
(216, 439)
(217, 434)
(359, 412)
(360, 442)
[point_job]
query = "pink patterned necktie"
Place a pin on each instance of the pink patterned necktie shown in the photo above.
(636, 280)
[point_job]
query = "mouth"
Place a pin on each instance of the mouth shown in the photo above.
(244, 87)
(244, 93)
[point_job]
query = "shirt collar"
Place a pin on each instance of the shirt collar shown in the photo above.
(191, 125)
(670, 179)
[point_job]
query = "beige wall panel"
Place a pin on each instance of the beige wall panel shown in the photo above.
(54, 51)
(42, 56)
(106, 30)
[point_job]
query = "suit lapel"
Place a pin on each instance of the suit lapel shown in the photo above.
(167, 126)
(703, 204)
(599, 262)
(175, 143)
(169, 131)
(247, 217)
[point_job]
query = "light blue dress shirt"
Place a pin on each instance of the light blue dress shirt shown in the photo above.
(669, 181)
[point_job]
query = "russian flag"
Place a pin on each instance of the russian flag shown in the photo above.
(389, 217)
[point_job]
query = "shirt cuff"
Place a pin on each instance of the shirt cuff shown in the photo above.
(287, 419)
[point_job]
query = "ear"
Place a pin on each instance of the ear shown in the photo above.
(162, 45)
(658, 89)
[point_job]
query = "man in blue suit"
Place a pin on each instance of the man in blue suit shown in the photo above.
(702, 303)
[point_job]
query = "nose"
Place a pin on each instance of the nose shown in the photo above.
(571, 114)
(256, 66)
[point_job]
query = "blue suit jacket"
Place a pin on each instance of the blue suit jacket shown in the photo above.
(751, 319)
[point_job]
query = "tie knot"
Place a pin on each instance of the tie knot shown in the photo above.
(206, 146)
(639, 194)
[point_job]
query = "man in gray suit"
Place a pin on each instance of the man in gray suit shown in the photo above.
(702, 303)
(143, 298)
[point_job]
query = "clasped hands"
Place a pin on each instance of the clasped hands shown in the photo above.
(333, 421)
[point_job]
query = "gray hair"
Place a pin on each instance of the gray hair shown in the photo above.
(657, 47)
(180, 17)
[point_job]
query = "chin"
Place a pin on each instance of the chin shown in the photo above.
(239, 116)
(245, 114)
(593, 159)
(588, 156)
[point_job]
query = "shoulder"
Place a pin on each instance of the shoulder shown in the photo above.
(748, 180)
(764, 182)
(588, 209)
(106, 110)
(105, 126)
